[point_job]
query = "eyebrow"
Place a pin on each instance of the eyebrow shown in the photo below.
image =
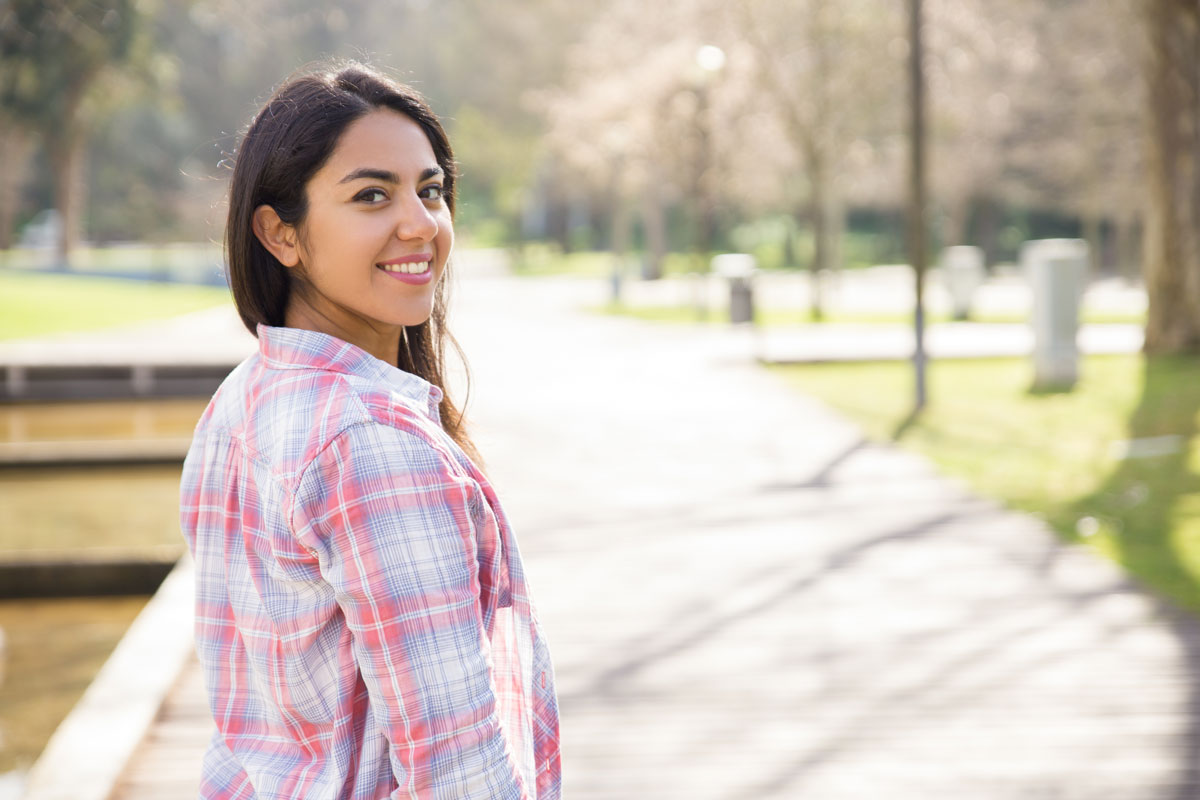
(387, 176)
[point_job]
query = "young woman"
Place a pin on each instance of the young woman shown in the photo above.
(362, 615)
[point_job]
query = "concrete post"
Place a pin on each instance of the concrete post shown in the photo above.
(15, 381)
(1056, 270)
(962, 271)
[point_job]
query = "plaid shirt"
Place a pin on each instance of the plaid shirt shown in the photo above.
(362, 616)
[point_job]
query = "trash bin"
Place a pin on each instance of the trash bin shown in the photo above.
(739, 270)
(1056, 270)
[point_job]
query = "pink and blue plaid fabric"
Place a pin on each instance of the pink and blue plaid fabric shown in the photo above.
(362, 615)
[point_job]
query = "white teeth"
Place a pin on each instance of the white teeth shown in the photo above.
(413, 268)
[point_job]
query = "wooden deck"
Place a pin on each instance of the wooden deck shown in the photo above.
(168, 763)
(745, 600)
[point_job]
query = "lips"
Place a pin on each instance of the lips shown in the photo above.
(416, 269)
(408, 265)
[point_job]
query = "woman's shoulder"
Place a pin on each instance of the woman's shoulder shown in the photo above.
(285, 419)
(392, 447)
(281, 416)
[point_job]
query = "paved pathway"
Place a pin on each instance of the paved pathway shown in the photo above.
(746, 600)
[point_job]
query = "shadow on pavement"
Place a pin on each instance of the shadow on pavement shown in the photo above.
(1137, 508)
(679, 636)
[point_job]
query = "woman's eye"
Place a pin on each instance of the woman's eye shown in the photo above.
(433, 192)
(371, 196)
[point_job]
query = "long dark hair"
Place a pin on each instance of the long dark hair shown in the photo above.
(287, 142)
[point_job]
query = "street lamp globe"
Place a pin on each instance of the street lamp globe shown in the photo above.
(710, 58)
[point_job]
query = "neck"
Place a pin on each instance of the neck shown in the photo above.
(381, 342)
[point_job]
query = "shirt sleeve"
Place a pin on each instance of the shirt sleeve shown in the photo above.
(391, 526)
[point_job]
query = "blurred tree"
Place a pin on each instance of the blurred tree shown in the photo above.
(1101, 177)
(556, 105)
(650, 115)
(492, 59)
(622, 120)
(831, 74)
(474, 60)
(803, 114)
(978, 57)
(53, 55)
(1034, 106)
(1172, 239)
(1078, 105)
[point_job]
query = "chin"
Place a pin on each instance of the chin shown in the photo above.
(414, 319)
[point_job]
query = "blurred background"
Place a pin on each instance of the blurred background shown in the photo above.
(776, 128)
(609, 154)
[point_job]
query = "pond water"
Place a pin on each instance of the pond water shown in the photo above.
(122, 508)
(108, 508)
(53, 648)
(167, 418)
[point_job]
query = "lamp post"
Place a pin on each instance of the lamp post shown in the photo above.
(916, 192)
(617, 144)
(708, 61)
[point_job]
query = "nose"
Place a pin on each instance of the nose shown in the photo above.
(415, 221)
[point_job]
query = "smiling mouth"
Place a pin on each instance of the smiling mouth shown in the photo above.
(407, 268)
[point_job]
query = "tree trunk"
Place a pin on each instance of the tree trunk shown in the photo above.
(1092, 234)
(835, 228)
(703, 188)
(790, 257)
(988, 226)
(67, 158)
(1126, 247)
(67, 150)
(1106, 259)
(558, 216)
(620, 226)
(1190, 66)
(1171, 261)
(15, 149)
(954, 221)
(818, 218)
(655, 227)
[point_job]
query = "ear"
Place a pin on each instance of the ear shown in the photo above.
(276, 235)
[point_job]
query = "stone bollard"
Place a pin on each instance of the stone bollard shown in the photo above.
(962, 270)
(739, 270)
(1056, 270)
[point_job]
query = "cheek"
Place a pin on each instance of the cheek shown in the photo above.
(445, 234)
(339, 240)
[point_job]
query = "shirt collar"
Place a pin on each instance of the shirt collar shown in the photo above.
(291, 348)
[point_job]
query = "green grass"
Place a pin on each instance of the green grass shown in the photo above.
(38, 304)
(539, 259)
(1056, 455)
(773, 317)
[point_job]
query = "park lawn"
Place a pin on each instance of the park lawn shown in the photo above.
(541, 260)
(774, 317)
(35, 304)
(1062, 456)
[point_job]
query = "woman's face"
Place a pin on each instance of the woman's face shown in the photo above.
(376, 237)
